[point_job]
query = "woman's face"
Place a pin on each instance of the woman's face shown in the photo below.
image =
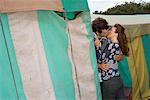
(112, 32)
(113, 29)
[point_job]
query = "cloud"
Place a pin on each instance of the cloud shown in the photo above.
(100, 5)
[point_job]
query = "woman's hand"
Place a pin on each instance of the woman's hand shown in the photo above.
(97, 42)
(118, 57)
(103, 66)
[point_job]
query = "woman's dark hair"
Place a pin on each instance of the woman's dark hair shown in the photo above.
(99, 24)
(123, 42)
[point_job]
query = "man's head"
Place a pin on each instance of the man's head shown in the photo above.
(100, 26)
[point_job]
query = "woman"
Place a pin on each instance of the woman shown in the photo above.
(119, 32)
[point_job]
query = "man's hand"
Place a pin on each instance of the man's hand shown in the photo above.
(103, 66)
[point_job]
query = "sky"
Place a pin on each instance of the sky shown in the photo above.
(103, 5)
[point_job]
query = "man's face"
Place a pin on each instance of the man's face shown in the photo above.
(104, 33)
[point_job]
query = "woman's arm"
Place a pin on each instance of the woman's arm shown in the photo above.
(118, 53)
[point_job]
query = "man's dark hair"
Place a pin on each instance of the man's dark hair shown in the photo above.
(99, 24)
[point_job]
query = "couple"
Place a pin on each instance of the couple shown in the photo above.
(110, 45)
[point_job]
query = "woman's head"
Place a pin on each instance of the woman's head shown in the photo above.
(100, 25)
(123, 42)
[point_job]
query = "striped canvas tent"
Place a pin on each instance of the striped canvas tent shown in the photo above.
(135, 69)
(47, 51)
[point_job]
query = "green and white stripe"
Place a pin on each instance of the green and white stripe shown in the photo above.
(53, 57)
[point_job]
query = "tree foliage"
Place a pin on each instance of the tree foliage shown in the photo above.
(128, 8)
